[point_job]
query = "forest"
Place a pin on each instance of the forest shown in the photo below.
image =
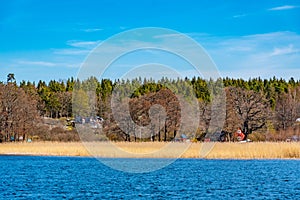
(265, 109)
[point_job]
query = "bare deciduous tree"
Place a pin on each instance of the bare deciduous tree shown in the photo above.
(287, 109)
(251, 109)
(18, 112)
(65, 100)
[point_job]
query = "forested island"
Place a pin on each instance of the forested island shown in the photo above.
(264, 109)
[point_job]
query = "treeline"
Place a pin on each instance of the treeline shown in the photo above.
(265, 108)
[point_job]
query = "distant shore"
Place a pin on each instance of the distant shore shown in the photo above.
(255, 150)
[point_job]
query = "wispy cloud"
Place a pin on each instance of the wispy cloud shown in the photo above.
(263, 55)
(284, 51)
(285, 7)
(71, 52)
(40, 63)
(239, 16)
(83, 44)
(46, 64)
(77, 48)
(123, 27)
(174, 35)
(89, 30)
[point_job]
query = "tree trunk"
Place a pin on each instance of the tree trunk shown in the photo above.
(153, 138)
(165, 132)
(246, 129)
(159, 135)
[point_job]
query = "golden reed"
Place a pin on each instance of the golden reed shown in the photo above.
(255, 150)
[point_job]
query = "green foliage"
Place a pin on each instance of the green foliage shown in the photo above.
(54, 99)
(81, 103)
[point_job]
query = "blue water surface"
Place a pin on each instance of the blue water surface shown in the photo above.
(29, 177)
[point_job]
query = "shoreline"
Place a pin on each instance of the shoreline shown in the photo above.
(238, 151)
(183, 158)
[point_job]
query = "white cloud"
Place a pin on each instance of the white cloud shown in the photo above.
(79, 48)
(264, 55)
(285, 7)
(46, 64)
(40, 63)
(239, 16)
(168, 35)
(123, 27)
(284, 51)
(71, 52)
(83, 44)
(240, 48)
(89, 30)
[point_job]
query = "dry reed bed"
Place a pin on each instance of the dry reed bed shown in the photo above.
(255, 150)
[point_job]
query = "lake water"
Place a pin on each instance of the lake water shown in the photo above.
(26, 177)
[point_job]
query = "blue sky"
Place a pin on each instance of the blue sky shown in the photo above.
(50, 39)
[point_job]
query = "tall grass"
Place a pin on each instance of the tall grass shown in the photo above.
(255, 150)
(44, 148)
